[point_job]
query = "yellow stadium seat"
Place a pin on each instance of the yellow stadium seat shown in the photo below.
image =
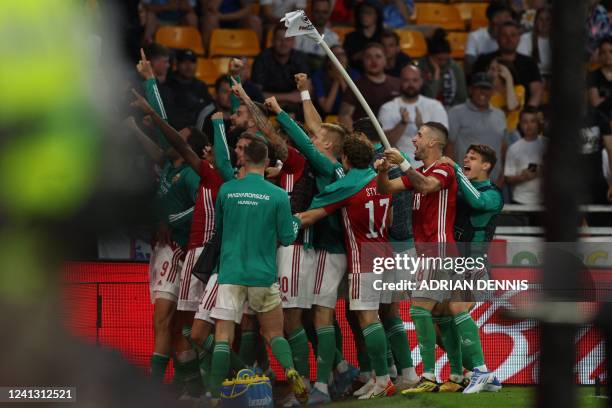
(206, 70)
(233, 42)
(439, 14)
(478, 16)
(180, 37)
(412, 43)
(342, 32)
(457, 42)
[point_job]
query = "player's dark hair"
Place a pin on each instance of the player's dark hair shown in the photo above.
(358, 152)
(221, 80)
(197, 140)
(256, 152)
(486, 152)
(440, 130)
(510, 23)
(390, 34)
(495, 8)
(277, 27)
(365, 126)
(529, 110)
(155, 50)
(606, 40)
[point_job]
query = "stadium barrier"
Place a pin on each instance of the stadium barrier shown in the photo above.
(107, 303)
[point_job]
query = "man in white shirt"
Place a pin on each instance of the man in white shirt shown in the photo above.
(402, 116)
(483, 40)
(319, 16)
(524, 160)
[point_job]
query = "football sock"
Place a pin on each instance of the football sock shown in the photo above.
(398, 340)
(325, 353)
(452, 343)
(282, 351)
(376, 344)
(298, 341)
(426, 336)
(470, 340)
(159, 362)
(219, 367)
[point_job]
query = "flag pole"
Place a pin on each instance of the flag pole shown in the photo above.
(316, 36)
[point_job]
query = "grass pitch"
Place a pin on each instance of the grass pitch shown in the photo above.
(508, 397)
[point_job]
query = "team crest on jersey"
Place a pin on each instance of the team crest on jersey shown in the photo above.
(176, 178)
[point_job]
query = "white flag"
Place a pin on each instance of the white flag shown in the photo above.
(298, 24)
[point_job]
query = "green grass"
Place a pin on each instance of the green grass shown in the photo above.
(509, 397)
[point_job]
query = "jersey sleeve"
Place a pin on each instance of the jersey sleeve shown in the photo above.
(221, 150)
(443, 174)
(219, 211)
(317, 160)
(330, 208)
(287, 226)
(154, 98)
(489, 200)
(406, 182)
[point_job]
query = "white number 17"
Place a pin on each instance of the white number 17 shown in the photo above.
(370, 206)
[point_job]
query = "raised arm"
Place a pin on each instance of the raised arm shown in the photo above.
(318, 161)
(420, 183)
(311, 116)
(171, 135)
(221, 148)
(261, 121)
(474, 198)
(150, 147)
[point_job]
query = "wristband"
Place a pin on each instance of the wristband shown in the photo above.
(305, 95)
(405, 165)
(279, 164)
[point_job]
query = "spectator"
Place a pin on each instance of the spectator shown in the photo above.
(523, 169)
(396, 13)
(368, 28)
(523, 67)
(536, 44)
(598, 26)
(273, 10)
(187, 96)
(506, 96)
(375, 84)
(477, 122)
(600, 81)
(319, 16)
(484, 40)
(329, 85)
(402, 116)
(443, 78)
(396, 58)
(228, 14)
(159, 57)
(342, 13)
(274, 69)
(168, 12)
(595, 136)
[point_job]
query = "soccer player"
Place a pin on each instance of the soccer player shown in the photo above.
(478, 204)
(433, 217)
(317, 286)
(252, 215)
(365, 215)
(400, 234)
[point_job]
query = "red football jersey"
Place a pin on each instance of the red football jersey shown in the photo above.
(203, 220)
(292, 169)
(433, 215)
(366, 217)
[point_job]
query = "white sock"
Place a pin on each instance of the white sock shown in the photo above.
(322, 387)
(430, 376)
(383, 379)
(409, 374)
(185, 356)
(482, 368)
(342, 367)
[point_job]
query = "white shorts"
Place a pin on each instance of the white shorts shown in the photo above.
(164, 268)
(231, 300)
(191, 287)
(296, 275)
(430, 275)
(208, 299)
(362, 295)
(397, 276)
(329, 271)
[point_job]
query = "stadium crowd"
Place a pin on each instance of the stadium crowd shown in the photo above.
(278, 149)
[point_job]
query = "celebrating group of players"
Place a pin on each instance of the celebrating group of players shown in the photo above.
(298, 212)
